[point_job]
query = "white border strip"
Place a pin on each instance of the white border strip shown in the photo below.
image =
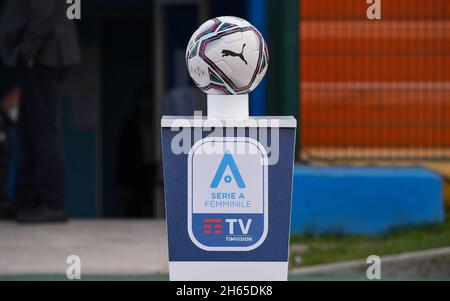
(228, 271)
(252, 122)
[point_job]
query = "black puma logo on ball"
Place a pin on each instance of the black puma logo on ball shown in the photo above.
(232, 53)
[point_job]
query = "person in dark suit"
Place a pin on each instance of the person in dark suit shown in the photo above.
(37, 39)
(8, 117)
(137, 170)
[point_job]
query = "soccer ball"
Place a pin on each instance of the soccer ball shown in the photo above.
(227, 56)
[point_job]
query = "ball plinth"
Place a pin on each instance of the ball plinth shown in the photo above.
(227, 107)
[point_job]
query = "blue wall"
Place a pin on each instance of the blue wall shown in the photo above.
(258, 17)
(368, 201)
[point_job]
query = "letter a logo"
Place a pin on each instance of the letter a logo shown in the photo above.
(227, 161)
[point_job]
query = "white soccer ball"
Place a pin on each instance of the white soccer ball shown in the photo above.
(227, 56)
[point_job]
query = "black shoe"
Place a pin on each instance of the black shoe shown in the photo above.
(42, 216)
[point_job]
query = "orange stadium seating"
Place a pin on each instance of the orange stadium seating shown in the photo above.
(375, 83)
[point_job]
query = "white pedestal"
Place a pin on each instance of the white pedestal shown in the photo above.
(192, 255)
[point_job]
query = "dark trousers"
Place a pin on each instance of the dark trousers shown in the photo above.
(141, 204)
(41, 175)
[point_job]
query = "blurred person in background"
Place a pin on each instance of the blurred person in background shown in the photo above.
(9, 110)
(38, 40)
(136, 168)
(183, 99)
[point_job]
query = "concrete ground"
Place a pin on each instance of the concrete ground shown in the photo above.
(137, 250)
(105, 247)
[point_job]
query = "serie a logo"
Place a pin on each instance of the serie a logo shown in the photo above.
(228, 194)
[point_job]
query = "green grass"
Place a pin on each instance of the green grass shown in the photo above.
(60, 277)
(312, 277)
(51, 277)
(332, 248)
